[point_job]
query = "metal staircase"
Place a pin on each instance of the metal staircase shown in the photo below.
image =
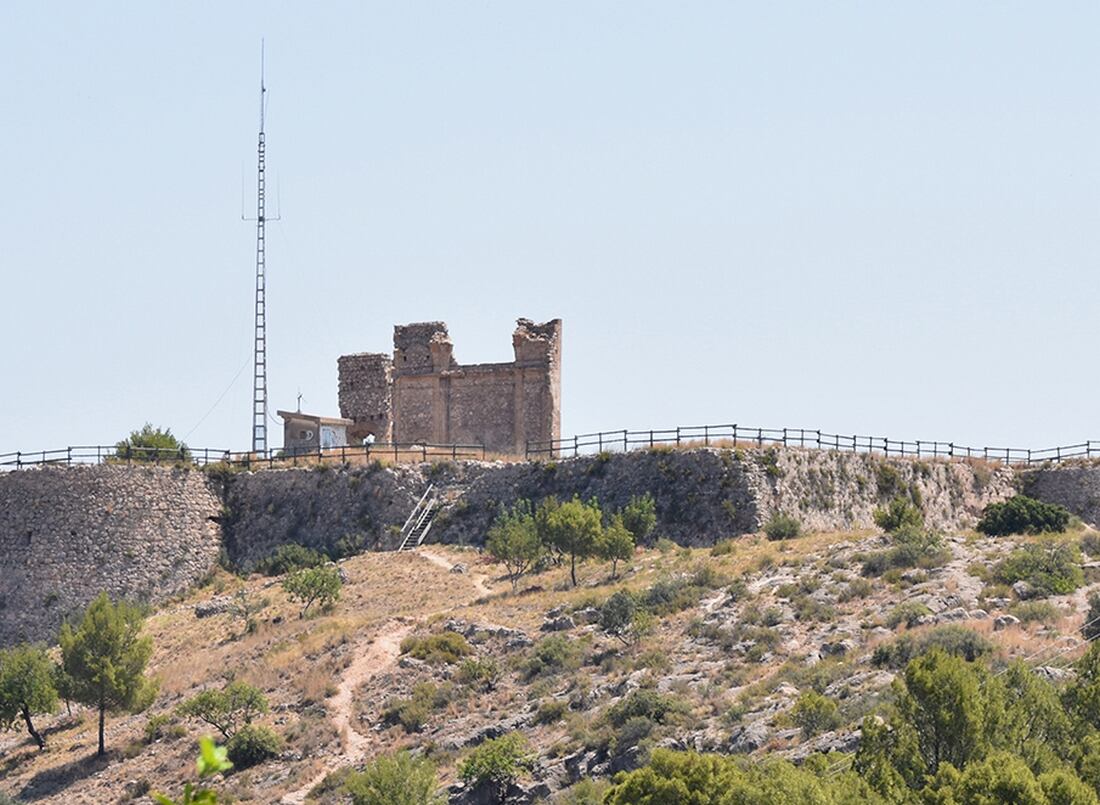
(423, 515)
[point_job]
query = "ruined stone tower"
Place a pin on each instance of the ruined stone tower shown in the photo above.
(422, 394)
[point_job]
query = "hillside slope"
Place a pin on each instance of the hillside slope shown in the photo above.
(741, 631)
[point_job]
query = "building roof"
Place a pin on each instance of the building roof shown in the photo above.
(320, 420)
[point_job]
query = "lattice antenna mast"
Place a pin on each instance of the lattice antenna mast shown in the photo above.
(259, 373)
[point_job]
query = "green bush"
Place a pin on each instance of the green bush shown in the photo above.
(952, 639)
(253, 744)
(666, 596)
(1035, 612)
(644, 702)
(289, 558)
(442, 648)
(1090, 629)
(551, 655)
(498, 762)
(723, 547)
(413, 712)
(1022, 515)
(900, 513)
(782, 526)
(640, 517)
(1050, 567)
(551, 711)
(399, 779)
(227, 710)
(482, 673)
(314, 585)
(913, 547)
(908, 613)
(152, 445)
(814, 714)
(1090, 544)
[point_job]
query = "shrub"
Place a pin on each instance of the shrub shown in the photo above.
(900, 513)
(643, 702)
(632, 732)
(253, 744)
(228, 709)
(551, 711)
(399, 779)
(951, 639)
(482, 673)
(413, 713)
(551, 655)
(290, 558)
(782, 526)
(312, 585)
(640, 517)
(1022, 515)
(1090, 543)
(1036, 612)
(1090, 629)
(667, 596)
(913, 547)
(908, 613)
(1051, 568)
(442, 648)
(723, 547)
(856, 588)
(151, 444)
(814, 714)
(498, 762)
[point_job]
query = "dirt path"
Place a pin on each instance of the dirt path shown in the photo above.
(477, 579)
(379, 656)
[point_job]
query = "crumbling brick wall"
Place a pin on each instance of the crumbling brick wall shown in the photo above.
(425, 395)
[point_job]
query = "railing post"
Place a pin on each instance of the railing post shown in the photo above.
(759, 437)
(1057, 453)
(626, 441)
(706, 435)
(784, 437)
(599, 436)
(677, 435)
(69, 456)
(735, 434)
(651, 438)
(576, 446)
(819, 440)
(18, 460)
(951, 449)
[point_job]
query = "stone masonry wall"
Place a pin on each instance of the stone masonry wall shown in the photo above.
(1075, 486)
(140, 533)
(147, 533)
(707, 494)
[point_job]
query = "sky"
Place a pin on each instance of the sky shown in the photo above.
(864, 217)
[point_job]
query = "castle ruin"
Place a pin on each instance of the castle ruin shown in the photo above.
(423, 395)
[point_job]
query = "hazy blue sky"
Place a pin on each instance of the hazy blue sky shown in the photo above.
(873, 217)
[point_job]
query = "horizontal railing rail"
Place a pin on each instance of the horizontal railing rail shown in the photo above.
(733, 434)
(202, 456)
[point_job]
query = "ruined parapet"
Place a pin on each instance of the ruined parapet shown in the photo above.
(412, 346)
(366, 395)
(538, 376)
